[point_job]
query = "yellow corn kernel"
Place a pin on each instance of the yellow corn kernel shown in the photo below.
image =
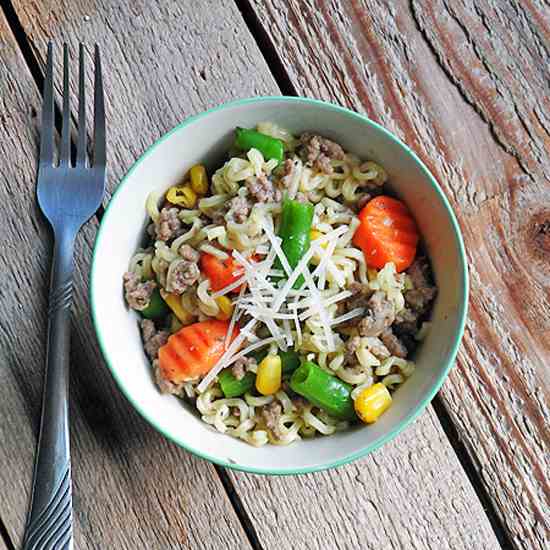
(183, 196)
(268, 377)
(174, 303)
(226, 308)
(199, 179)
(372, 402)
(314, 235)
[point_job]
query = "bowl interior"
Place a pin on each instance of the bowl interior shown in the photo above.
(207, 138)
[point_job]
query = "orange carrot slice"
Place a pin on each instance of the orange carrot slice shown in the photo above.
(221, 273)
(194, 350)
(387, 233)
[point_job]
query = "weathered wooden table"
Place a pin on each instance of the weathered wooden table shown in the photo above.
(466, 84)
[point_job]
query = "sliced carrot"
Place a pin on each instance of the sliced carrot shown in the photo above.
(387, 233)
(221, 273)
(194, 350)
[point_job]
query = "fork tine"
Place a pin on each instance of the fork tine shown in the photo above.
(46, 135)
(81, 144)
(99, 114)
(65, 151)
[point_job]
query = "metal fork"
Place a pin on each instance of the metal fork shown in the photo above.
(68, 196)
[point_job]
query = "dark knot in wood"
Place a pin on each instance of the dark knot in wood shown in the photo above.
(540, 235)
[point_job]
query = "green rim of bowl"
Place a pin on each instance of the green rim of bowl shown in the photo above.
(461, 313)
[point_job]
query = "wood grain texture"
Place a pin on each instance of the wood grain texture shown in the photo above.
(466, 85)
(164, 61)
(133, 489)
(410, 494)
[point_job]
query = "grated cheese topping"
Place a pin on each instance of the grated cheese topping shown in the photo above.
(280, 308)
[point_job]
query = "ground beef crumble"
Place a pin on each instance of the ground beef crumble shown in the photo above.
(393, 343)
(406, 337)
(352, 345)
(423, 293)
(239, 209)
(153, 339)
(380, 315)
(188, 253)
(137, 293)
(241, 366)
(181, 275)
(168, 224)
(318, 151)
(360, 296)
(271, 414)
(262, 189)
(406, 326)
(165, 386)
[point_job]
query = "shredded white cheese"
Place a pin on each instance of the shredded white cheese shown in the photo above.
(333, 300)
(229, 352)
(348, 316)
(266, 313)
(297, 322)
(234, 317)
(256, 345)
(227, 289)
(288, 333)
(329, 335)
(267, 302)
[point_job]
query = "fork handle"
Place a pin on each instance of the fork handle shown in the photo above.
(49, 523)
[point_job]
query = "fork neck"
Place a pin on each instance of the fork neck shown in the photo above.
(63, 266)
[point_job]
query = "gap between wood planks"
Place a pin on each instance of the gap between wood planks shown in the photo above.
(471, 471)
(235, 499)
(4, 535)
(287, 87)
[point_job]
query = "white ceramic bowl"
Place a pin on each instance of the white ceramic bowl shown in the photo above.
(205, 138)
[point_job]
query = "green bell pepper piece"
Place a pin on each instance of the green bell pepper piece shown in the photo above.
(296, 220)
(157, 307)
(271, 148)
(323, 390)
(231, 387)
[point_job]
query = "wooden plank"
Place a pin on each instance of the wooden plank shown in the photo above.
(160, 106)
(412, 493)
(133, 489)
(466, 85)
(164, 61)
